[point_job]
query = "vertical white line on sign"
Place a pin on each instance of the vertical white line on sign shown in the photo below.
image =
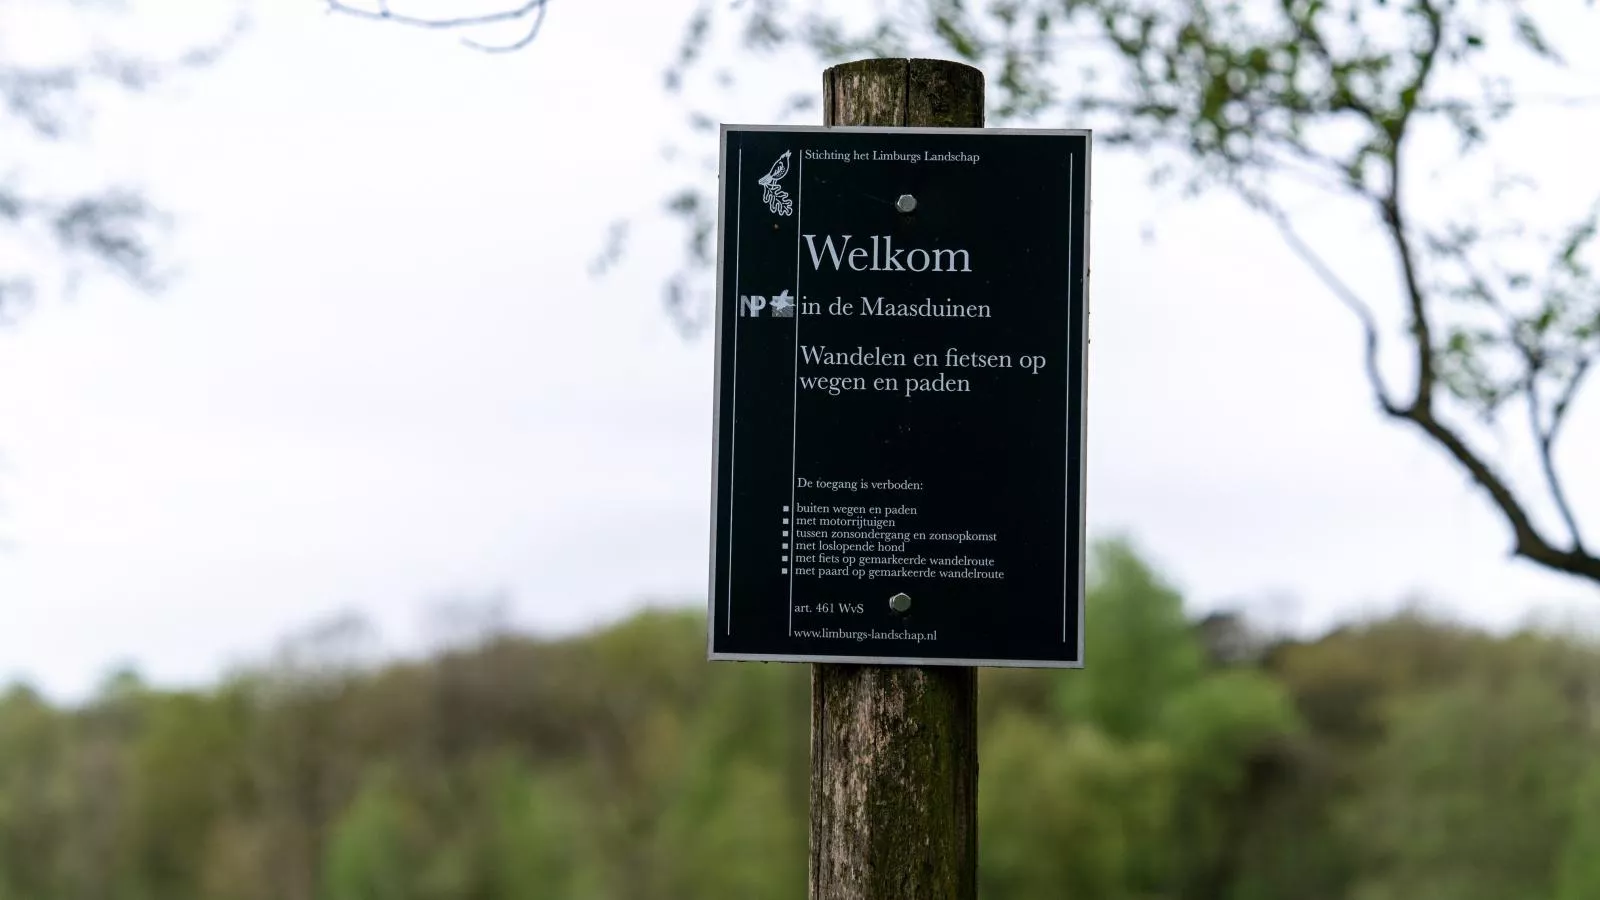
(794, 432)
(1066, 510)
(733, 430)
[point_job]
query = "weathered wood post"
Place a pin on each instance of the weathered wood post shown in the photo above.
(894, 749)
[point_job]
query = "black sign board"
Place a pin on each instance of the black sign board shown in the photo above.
(901, 353)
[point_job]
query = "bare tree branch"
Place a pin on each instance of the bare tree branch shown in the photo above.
(1529, 542)
(530, 13)
(1392, 128)
(1559, 416)
(1416, 299)
(1347, 296)
(1546, 435)
(519, 43)
(1396, 129)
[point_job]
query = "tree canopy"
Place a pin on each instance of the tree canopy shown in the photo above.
(1403, 757)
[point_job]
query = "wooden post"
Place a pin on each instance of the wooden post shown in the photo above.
(894, 749)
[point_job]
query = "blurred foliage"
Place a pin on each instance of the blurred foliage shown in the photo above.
(55, 230)
(1405, 758)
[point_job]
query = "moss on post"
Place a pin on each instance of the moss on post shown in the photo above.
(894, 783)
(894, 749)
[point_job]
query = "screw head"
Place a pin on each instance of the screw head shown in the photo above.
(906, 203)
(900, 602)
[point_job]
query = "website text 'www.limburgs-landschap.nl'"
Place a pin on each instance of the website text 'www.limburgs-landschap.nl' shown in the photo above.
(873, 633)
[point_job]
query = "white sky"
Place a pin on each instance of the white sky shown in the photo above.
(386, 376)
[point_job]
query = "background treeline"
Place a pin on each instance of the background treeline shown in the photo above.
(1406, 759)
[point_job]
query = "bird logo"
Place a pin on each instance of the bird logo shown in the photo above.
(777, 198)
(783, 305)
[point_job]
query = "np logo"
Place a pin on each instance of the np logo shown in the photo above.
(752, 305)
(777, 198)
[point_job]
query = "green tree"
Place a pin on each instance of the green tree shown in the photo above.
(1578, 872)
(539, 845)
(1470, 794)
(377, 850)
(186, 771)
(1143, 778)
(735, 823)
(1399, 758)
(1144, 651)
(34, 827)
(1068, 811)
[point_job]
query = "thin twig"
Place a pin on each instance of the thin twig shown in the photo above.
(1565, 402)
(1345, 295)
(1528, 541)
(384, 14)
(525, 40)
(1547, 442)
(522, 12)
(1394, 221)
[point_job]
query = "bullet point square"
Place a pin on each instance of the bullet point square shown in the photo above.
(786, 534)
(785, 559)
(785, 521)
(783, 571)
(785, 546)
(786, 509)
